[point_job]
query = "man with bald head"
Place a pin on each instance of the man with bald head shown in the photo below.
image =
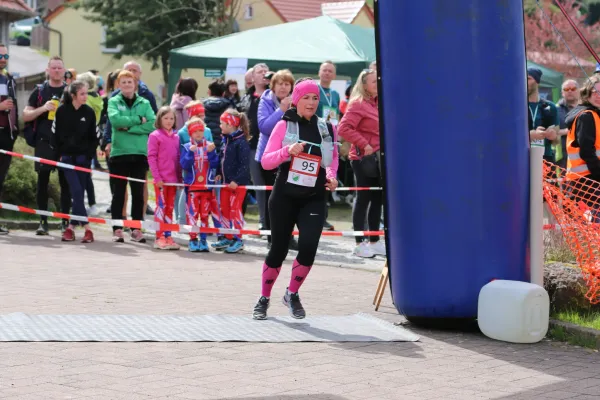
(569, 100)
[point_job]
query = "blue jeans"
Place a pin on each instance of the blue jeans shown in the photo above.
(77, 184)
(180, 206)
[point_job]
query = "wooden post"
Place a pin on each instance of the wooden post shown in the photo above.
(383, 281)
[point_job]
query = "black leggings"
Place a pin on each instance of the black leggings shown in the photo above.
(368, 200)
(269, 179)
(43, 183)
(285, 212)
(132, 167)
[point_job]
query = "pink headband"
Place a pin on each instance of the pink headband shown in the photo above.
(303, 88)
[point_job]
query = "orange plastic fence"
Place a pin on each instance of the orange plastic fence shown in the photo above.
(576, 207)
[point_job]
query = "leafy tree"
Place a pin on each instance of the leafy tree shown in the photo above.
(545, 46)
(151, 28)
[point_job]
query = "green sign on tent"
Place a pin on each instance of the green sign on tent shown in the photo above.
(213, 73)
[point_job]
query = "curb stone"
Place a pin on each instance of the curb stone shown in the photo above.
(588, 333)
(27, 225)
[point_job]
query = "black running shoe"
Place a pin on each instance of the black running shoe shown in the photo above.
(42, 230)
(149, 210)
(260, 309)
(292, 302)
(327, 226)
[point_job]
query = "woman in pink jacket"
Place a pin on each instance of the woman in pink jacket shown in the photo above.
(360, 127)
(163, 158)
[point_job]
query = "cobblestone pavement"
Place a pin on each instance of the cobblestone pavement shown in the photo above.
(42, 275)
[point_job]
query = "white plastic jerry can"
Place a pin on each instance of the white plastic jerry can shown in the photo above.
(513, 311)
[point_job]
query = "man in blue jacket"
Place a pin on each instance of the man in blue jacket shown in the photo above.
(136, 69)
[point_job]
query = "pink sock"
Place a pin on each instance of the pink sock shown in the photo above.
(269, 276)
(299, 273)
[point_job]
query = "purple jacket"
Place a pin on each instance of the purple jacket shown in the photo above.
(268, 116)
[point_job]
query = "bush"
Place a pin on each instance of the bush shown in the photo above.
(21, 182)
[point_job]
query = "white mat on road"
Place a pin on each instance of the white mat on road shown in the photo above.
(20, 327)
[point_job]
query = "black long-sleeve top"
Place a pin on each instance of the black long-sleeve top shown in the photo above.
(75, 130)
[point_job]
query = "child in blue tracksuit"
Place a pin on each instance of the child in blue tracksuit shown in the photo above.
(235, 170)
(199, 169)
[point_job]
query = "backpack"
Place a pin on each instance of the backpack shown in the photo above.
(30, 129)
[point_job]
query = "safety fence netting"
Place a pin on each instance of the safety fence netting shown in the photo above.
(575, 204)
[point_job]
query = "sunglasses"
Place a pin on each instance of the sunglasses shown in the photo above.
(570, 89)
(5, 56)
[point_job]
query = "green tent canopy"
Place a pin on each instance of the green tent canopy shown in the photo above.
(550, 78)
(300, 46)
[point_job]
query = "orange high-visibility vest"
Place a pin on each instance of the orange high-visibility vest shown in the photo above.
(576, 167)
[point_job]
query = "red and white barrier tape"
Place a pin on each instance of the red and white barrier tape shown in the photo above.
(82, 169)
(155, 226)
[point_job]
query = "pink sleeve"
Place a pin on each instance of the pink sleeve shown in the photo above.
(349, 123)
(274, 154)
(153, 157)
(331, 171)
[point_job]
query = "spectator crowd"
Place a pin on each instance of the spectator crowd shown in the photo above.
(225, 138)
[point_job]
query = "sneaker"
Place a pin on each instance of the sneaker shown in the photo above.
(68, 235)
(171, 244)
(261, 307)
(64, 225)
(292, 302)
(161, 244)
(363, 250)
(149, 210)
(118, 236)
(203, 246)
(88, 236)
(3, 231)
(378, 248)
(327, 226)
(194, 246)
(137, 236)
(93, 211)
(108, 211)
(235, 247)
(42, 230)
(222, 244)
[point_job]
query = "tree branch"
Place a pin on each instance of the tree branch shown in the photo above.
(174, 37)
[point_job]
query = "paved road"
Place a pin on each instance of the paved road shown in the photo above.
(43, 275)
(25, 61)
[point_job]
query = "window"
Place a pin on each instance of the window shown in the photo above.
(248, 12)
(108, 49)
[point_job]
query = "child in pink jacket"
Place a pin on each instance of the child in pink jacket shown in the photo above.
(163, 158)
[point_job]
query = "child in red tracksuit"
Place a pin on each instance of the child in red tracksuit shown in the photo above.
(235, 171)
(163, 158)
(199, 163)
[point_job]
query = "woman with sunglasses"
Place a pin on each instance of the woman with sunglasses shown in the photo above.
(360, 127)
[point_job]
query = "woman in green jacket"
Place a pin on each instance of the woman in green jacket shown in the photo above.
(132, 120)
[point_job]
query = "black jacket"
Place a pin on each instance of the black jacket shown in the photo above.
(249, 105)
(585, 137)
(214, 107)
(75, 131)
(9, 134)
